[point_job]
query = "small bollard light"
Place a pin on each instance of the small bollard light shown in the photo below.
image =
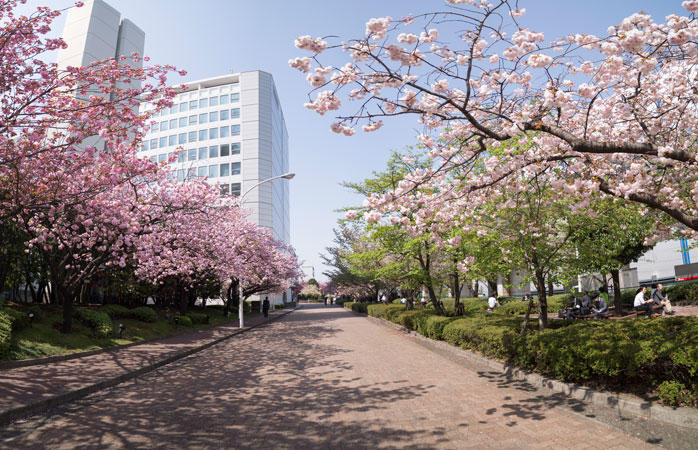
(176, 320)
(31, 317)
(121, 329)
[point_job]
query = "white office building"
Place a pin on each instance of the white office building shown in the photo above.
(231, 128)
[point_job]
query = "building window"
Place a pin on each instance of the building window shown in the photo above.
(203, 152)
(173, 124)
(173, 110)
(203, 171)
(193, 120)
(235, 130)
(183, 107)
(163, 112)
(235, 189)
(235, 148)
(213, 116)
(153, 144)
(224, 132)
(162, 157)
(163, 141)
(235, 97)
(180, 175)
(192, 154)
(193, 104)
(224, 114)
(192, 136)
(203, 118)
(225, 189)
(182, 121)
(225, 170)
(213, 101)
(203, 103)
(225, 150)
(163, 126)
(235, 168)
(144, 146)
(235, 113)
(182, 138)
(213, 133)
(213, 151)
(191, 173)
(172, 140)
(224, 99)
(182, 156)
(203, 135)
(213, 171)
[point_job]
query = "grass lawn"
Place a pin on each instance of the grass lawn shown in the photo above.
(44, 338)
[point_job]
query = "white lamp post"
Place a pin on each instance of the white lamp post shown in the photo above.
(286, 176)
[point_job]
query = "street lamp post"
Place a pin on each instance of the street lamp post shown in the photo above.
(286, 176)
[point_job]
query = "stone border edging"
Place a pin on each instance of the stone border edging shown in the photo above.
(683, 417)
(9, 415)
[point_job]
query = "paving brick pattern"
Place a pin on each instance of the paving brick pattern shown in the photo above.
(321, 377)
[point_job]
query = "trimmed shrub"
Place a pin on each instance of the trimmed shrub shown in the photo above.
(685, 293)
(199, 318)
(144, 314)
(359, 307)
(20, 320)
(384, 311)
(5, 332)
(184, 321)
(434, 325)
(98, 321)
(410, 319)
(117, 311)
(491, 337)
(673, 393)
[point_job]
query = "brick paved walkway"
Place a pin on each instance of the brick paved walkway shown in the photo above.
(321, 377)
(25, 385)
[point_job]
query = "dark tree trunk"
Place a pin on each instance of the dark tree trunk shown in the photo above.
(492, 288)
(542, 301)
(66, 297)
(617, 303)
(524, 324)
(458, 307)
(550, 287)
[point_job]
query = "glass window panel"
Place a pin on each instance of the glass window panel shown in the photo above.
(180, 175)
(213, 151)
(191, 173)
(193, 104)
(163, 141)
(213, 133)
(192, 136)
(224, 131)
(213, 116)
(235, 148)
(163, 126)
(235, 130)
(235, 189)
(182, 156)
(203, 153)
(225, 170)
(193, 120)
(235, 168)
(235, 113)
(182, 121)
(173, 109)
(192, 154)
(225, 150)
(203, 135)
(153, 144)
(203, 118)
(225, 189)
(235, 97)
(164, 112)
(162, 157)
(183, 107)
(172, 140)
(203, 103)
(203, 171)
(182, 138)
(224, 114)
(173, 124)
(213, 101)
(224, 99)
(213, 171)
(145, 145)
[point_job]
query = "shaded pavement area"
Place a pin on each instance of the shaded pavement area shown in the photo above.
(323, 377)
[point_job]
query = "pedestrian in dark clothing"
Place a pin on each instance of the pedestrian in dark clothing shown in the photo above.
(660, 299)
(325, 300)
(601, 308)
(265, 306)
(586, 304)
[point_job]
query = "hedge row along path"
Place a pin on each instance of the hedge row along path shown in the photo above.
(324, 377)
(31, 388)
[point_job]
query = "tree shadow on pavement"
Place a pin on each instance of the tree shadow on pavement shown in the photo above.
(277, 386)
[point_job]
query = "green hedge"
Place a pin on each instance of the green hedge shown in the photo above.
(20, 320)
(434, 325)
(516, 307)
(384, 311)
(98, 321)
(492, 336)
(686, 293)
(144, 314)
(184, 321)
(357, 307)
(116, 311)
(199, 318)
(5, 332)
(412, 319)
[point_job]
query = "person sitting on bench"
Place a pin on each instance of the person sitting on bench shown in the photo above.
(661, 300)
(601, 308)
(586, 304)
(640, 304)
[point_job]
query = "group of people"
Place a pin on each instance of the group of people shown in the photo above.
(590, 303)
(657, 301)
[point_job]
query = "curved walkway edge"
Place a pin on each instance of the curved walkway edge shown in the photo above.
(32, 406)
(624, 404)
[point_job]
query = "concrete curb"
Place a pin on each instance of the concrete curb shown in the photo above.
(624, 404)
(10, 415)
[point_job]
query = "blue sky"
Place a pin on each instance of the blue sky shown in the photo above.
(213, 37)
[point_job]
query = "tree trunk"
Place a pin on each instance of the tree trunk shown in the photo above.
(550, 287)
(528, 314)
(492, 288)
(438, 306)
(617, 303)
(542, 301)
(66, 297)
(458, 307)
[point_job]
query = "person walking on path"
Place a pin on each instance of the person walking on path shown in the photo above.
(265, 307)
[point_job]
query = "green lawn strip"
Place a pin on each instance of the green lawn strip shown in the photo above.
(42, 337)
